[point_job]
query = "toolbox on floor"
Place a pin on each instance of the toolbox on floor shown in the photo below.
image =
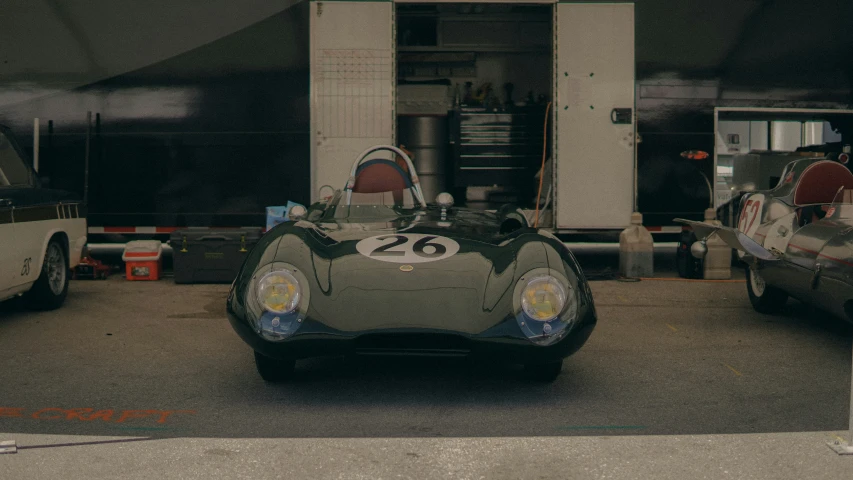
(203, 255)
(143, 259)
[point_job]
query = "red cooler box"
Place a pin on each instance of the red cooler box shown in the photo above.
(143, 259)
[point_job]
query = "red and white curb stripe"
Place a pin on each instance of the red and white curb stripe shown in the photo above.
(665, 229)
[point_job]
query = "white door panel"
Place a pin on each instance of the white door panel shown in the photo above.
(33, 238)
(352, 86)
(595, 75)
(9, 258)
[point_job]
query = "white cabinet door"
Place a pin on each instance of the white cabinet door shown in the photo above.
(352, 86)
(595, 150)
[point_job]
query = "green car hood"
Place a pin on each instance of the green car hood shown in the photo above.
(468, 292)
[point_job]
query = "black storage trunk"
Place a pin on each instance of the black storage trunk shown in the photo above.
(210, 256)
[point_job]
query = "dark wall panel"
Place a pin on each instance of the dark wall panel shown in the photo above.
(213, 135)
(207, 138)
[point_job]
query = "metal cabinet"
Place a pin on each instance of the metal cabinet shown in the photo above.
(497, 148)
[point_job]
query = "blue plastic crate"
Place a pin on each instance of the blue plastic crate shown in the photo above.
(278, 214)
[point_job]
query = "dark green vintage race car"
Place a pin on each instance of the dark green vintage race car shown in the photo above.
(374, 270)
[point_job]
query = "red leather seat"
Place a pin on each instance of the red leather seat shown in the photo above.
(819, 183)
(382, 176)
(377, 176)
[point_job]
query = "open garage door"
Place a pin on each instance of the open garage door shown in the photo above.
(594, 110)
(352, 85)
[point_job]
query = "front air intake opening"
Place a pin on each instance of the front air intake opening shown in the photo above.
(421, 344)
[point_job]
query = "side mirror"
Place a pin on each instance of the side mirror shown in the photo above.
(444, 200)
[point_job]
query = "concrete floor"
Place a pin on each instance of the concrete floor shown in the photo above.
(678, 370)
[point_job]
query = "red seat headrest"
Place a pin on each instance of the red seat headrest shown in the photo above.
(377, 176)
(819, 183)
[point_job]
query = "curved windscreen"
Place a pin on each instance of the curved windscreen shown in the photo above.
(392, 198)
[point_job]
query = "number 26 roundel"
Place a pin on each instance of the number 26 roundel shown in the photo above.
(407, 248)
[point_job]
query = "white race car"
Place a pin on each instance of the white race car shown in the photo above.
(42, 232)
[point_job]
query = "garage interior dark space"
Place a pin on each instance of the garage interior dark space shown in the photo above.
(426, 239)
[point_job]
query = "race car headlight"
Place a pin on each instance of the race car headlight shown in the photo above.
(277, 300)
(279, 292)
(546, 305)
(543, 298)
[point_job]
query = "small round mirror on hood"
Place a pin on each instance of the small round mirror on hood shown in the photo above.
(444, 200)
(297, 212)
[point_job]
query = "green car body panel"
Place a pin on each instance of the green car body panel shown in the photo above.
(462, 304)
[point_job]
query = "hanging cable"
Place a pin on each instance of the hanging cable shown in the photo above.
(547, 199)
(544, 206)
(542, 171)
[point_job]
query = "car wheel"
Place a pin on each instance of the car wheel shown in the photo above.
(763, 297)
(543, 372)
(274, 370)
(51, 288)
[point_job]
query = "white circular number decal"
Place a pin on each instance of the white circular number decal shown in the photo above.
(407, 248)
(750, 217)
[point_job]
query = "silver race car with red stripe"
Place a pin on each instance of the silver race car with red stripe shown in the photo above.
(796, 239)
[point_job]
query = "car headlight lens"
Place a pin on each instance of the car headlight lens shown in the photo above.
(543, 298)
(279, 292)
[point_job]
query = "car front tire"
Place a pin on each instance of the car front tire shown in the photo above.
(273, 370)
(763, 297)
(51, 288)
